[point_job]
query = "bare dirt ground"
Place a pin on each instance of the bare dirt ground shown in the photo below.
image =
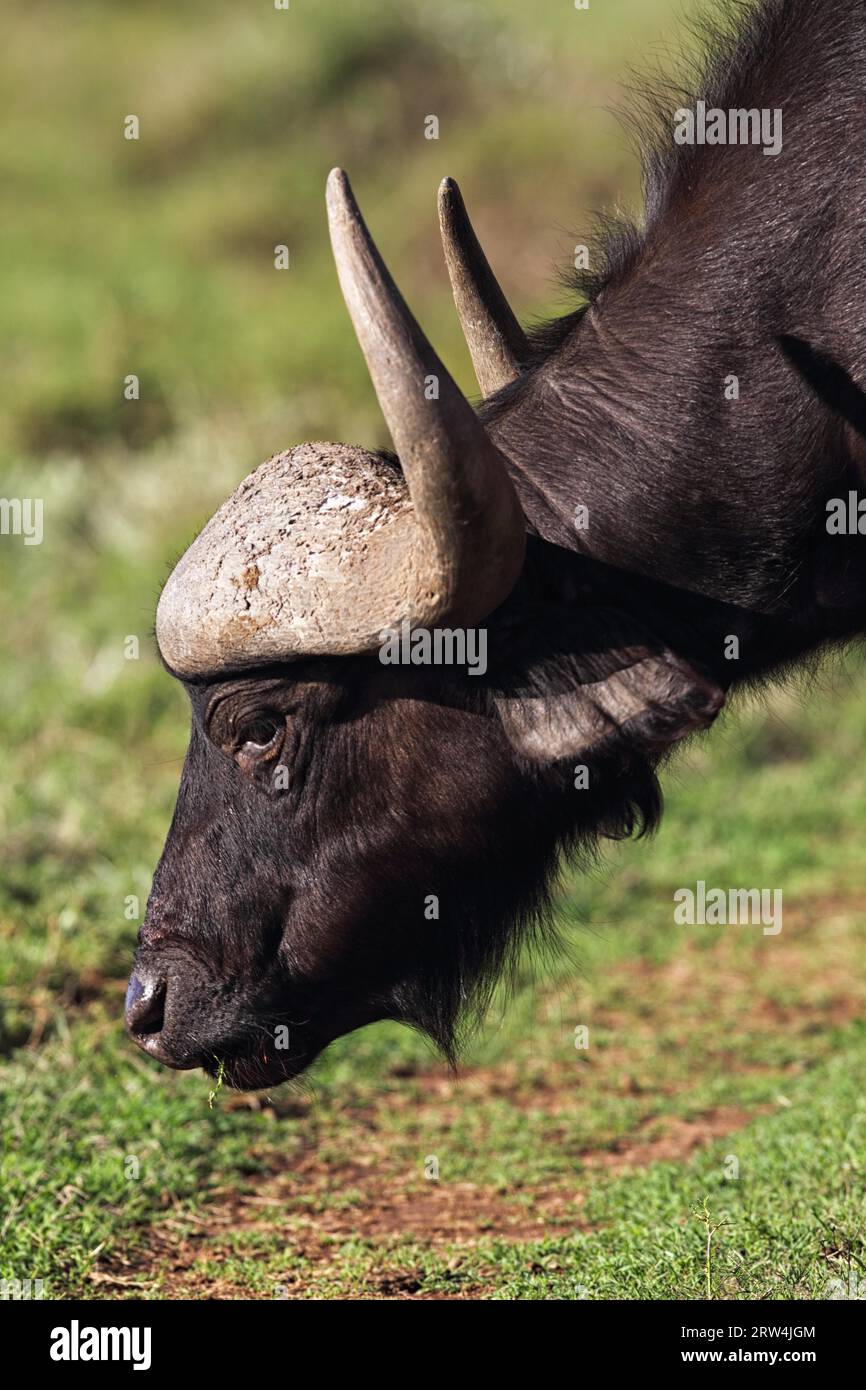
(458, 1213)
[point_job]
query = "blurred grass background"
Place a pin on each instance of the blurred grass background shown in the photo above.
(156, 257)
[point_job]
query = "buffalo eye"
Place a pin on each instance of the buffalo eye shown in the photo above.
(259, 738)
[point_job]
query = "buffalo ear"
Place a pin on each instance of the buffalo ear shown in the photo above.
(617, 683)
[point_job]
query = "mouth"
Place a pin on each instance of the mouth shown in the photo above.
(254, 1072)
(242, 1071)
(153, 1046)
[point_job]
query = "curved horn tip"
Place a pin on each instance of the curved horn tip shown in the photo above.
(450, 199)
(497, 344)
(337, 187)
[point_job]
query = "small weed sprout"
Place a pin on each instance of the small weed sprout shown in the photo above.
(705, 1217)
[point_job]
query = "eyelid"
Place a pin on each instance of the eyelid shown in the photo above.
(253, 743)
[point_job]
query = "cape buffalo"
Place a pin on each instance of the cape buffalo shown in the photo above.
(637, 520)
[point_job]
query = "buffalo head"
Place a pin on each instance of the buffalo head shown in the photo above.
(357, 840)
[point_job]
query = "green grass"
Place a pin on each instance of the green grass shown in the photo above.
(790, 1233)
(562, 1173)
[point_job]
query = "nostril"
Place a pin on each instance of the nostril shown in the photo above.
(145, 1005)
